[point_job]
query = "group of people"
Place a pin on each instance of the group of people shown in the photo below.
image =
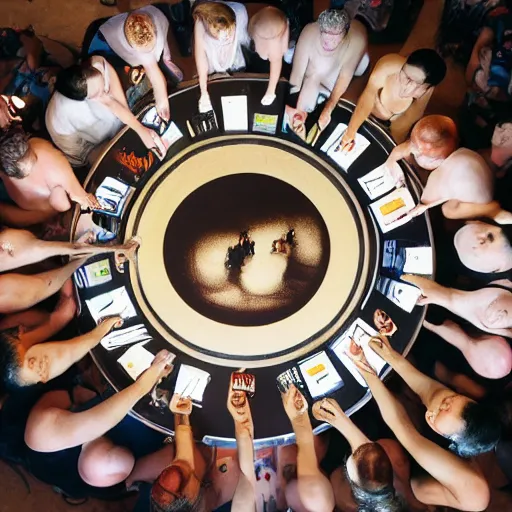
(78, 436)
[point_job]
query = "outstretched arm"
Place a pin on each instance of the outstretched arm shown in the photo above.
(200, 56)
(300, 60)
(14, 216)
(157, 79)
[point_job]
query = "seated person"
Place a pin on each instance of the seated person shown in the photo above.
(371, 472)
(28, 359)
(38, 177)
(484, 246)
(88, 108)
(140, 39)
(451, 481)
(220, 31)
(270, 31)
(83, 446)
(329, 53)
(312, 488)
(488, 355)
(397, 93)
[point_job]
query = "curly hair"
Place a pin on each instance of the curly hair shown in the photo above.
(139, 29)
(336, 21)
(14, 146)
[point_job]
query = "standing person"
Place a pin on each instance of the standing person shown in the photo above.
(88, 108)
(397, 92)
(140, 39)
(329, 53)
(220, 31)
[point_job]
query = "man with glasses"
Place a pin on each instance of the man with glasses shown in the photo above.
(329, 53)
(397, 93)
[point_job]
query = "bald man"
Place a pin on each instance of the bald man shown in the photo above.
(459, 178)
(270, 31)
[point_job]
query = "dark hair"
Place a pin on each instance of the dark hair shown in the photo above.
(481, 433)
(10, 361)
(72, 82)
(13, 148)
(180, 505)
(375, 491)
(431, 63)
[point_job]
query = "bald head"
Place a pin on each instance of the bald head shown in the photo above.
(268, 23)
(434, 138)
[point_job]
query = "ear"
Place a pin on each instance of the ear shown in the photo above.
(431, 424)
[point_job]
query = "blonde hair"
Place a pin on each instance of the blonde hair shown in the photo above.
(216, 16)
(139, 30)
(268, 23)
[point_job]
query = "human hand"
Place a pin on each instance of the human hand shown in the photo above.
(239, 408)
(88, 202)
(160, 368)
(381, 346)
(109, 323)
(328, 410)
(127, 251)
(294, 403)
(5, 116)
(181, 404)
(430, 291)
(347, 142)
(205, 104)
(395, 173)
(152, 140)
(268, 99)
(356, 355)
(418, 210)
(503, 217)
(163, 109)
(324, 119)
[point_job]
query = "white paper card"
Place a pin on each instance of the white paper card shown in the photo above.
(418, 260)
(123, 337)
(377, 182)
(234, 111)
(391, 211)
(361, 333)
(171, 135)
(136, 360)
(192, 382)
(93, 274)
(320, 376)
(344, 158)
(114, 303)
(404, 295)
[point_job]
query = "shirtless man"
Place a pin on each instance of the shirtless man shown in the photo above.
(38, 177)
(270, 31)
(459, 178)
(484, 247)
(398, 92)
(489, 309)
(329, 53)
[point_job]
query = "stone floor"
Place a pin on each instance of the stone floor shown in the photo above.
(66, 20)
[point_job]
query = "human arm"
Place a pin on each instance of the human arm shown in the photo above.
(462, 210)
(401, 126)
(314, 488)
(276, 63)
(6, 118)
(14, 216)
(157, 79)
(33, 50)
(201, 58)
(300, 59)
(485, 38)
(52, 427)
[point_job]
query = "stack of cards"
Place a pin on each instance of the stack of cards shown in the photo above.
(391, 210)
(344, 158)
(264, 123)
(114, 303)
(398, 259)
(402, 294)
(123, 337)
(289, 377)
(112, 195)
(320, 376)
(361, 333)
(202, 123)
(136, 360)
(93, 274)
(192, 383)
(234, 113)
(377, 182)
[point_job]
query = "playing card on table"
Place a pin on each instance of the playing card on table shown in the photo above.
(377, 182)
(418, 260)
(113, 303)
(192, 383)
(289, 377)
(403, 295)
(93, 274)
(265, 123)
(123, 337)
(136, 360)
(391, 211)
(344, 158)
(320, 376)
(234, 111)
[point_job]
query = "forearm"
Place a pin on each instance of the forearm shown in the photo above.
(336, 94)
(362, 111)
(473, 210)
(157, 79)
(14, 216)
(307, 463)
(124, 114)
(202, 67)
(183, 437)
(275, 73)
(345, 426)
(245, 447)
(399, 152)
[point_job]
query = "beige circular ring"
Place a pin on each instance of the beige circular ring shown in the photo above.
(254, 346)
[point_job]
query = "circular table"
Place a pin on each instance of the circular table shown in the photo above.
(282, 306)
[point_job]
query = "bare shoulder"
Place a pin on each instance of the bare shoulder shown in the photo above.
(309, 32)
(358, 33)
(389, 64)
(467, 157)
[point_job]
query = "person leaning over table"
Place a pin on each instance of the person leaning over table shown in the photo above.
(397, 93)
(90, 445)
(451, 481)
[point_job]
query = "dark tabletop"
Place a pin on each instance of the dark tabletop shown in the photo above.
(270, 421)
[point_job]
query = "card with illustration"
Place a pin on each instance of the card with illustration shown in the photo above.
(152, 120)
(234, 112)
(289, 377)
(136, 360)
(112, 195)
(320, 376)
(265, 123)
(377, 182)
(294, 121)
(391, 211)
(383, 323)
(202, 122)
(361, 333)
(113, 303)
(404, 295)
(419, 260)
(93, 274)
(191, 383)
(344, 158)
